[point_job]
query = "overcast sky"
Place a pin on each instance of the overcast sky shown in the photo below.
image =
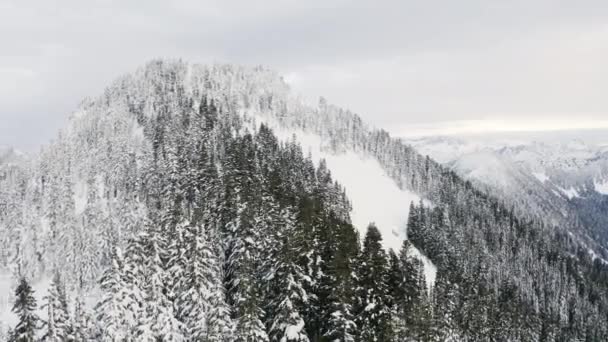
(413, 67)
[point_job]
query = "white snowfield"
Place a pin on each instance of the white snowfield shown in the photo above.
(541, 176)
(601, 186)
(570, 192)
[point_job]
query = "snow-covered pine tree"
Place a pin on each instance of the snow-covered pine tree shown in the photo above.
(445, 301)
(157, 321)
(58, 326)
(25, 309)
(246, 291)
(82, 322)
(373, 311)
(87, 240)
(114, 312)
(340, 325)
(287, 285)
(245, 244)
(407, 299)
(395, 277)
(220, 326)
(196, 282)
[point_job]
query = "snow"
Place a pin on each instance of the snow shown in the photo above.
(570, 192)
(293, 332)
(601, 187)
(594, 256)
(541, 176)
(80, 196)
(79, 114)
(430, 270)
(137, 132)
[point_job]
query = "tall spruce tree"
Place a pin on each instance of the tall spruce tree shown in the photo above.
(408, 297)
(116, 315)
(288, 285)
(373, 314)
(25, 309)
(196, 282)
(158, 321)
(58, 326)
(340, 325)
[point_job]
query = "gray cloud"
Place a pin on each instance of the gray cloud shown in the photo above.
(397, 63)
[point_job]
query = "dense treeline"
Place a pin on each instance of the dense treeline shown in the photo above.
(198, 224)
(547, 295)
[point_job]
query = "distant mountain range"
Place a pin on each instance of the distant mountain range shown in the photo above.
(562, 179)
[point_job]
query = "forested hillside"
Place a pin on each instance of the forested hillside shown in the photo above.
(169, 210)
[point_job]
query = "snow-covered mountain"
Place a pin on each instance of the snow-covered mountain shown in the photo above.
(216, 203)
(551, 178)
(257, 96)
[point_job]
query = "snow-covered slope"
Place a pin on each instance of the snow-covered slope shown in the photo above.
(365, 182)
(374, 196)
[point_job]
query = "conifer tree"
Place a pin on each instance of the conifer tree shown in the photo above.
(374, 314)
(408, 296)
(82, 322)
(220, 326)
(115, 312)
(245, 245)
(25, 309)
(158, 319)
(341, 324)
(196, 283)
(288, 293)
(58, 325)
(445, 308)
